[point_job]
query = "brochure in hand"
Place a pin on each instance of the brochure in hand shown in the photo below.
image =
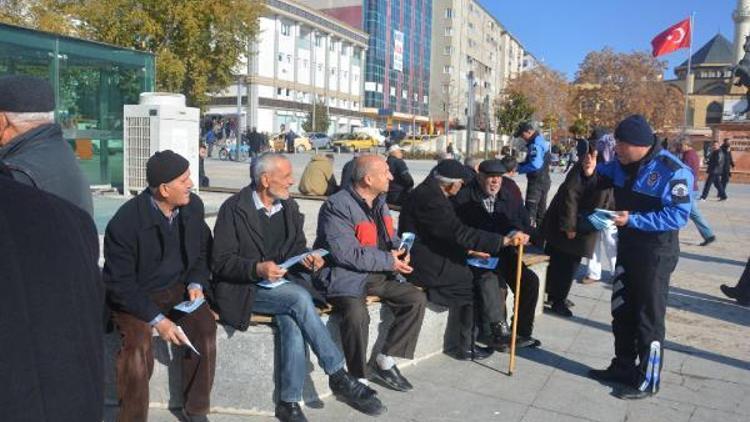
(189, 306)
(602, 219)
(487, 263)
(268, 284)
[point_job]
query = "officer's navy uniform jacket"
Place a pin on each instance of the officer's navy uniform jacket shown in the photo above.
(656, 192)
(536, 169)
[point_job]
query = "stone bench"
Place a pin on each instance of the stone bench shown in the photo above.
(246, 361)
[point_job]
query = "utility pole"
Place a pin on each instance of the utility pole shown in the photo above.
(486, 125)
(469, 112)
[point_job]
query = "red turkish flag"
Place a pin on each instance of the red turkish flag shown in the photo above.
(674, 38)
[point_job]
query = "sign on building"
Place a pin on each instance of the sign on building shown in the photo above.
(398, 50)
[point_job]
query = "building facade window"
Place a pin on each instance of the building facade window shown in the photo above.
(286, 29)
(447, 51)
(448, 31)
(448, 69)
(448, 13)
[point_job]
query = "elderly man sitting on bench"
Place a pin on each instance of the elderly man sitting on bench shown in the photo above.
(256, 230)
(355, 225)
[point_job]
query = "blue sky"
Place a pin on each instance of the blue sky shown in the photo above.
(562, 32)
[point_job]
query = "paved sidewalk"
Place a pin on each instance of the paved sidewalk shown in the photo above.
(707, 368)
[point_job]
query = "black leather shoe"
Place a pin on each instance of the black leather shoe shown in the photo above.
(357, 395)
(730, 292)
(527, 341)
(289, 412)
(560, 309)
(708, 241)
(630, 393)
(500, 339)
(475, 353)
(614, 373)
(391, 378)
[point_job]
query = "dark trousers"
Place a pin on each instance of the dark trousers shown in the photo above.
(560, 272)
(639, 303)
(529, 289)
(725, 181)
(407, 304)
(743, 286)
(459, 331)
(714, 179)
(135, 362)
(490, 296)
(536, 199)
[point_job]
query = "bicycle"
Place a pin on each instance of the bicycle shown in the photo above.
(229, 152)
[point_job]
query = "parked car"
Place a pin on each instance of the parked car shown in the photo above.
(319, 140)
(355, 142)
(374, 133)
(301, 143)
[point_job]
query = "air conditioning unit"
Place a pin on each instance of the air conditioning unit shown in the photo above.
(159, 122)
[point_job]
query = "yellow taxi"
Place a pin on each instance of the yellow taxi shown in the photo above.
(356, 141)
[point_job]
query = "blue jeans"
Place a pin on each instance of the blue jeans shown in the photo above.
(697, 217)
(298, 322)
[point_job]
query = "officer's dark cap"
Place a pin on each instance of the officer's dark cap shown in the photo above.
(493, 167)
(26, 94)
(523, 127)
(635, 130)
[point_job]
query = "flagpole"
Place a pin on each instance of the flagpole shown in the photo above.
(687, 77)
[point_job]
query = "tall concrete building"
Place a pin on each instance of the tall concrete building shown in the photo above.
(468, 38)
(301, 57)
(397, 70)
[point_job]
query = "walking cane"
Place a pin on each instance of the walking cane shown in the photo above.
(516, 298)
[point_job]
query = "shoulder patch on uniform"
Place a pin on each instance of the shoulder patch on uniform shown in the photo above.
(670, 162)
(679, 191)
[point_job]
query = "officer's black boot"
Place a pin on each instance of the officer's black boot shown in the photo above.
(616, 372)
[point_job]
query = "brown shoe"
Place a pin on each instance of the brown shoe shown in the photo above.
(587, 280)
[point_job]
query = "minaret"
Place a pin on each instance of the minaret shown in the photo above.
(741, 18)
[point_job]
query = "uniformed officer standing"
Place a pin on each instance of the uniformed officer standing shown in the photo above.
(536, 169)
(652, 191)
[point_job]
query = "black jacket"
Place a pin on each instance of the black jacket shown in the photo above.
(134, 246)
(43, 159)
(716, 162)
(728, 161)
(239, 247)
(571, 204)
(402, 181)
(51, 309)
(439, 252)
(509, 213)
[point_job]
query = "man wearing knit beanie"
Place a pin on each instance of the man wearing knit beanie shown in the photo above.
(652, 193)
(32, 144)
(156, 256)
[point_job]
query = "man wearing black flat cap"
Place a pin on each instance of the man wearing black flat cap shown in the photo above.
(156, 256)
(652, 193)
(443, 244)
(490, 203)
(536, 169)
(32, 145)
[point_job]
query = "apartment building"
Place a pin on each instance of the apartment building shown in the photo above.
(301, 57)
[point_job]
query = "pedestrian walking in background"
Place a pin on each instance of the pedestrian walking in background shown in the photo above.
(714, 172)
(688, 156)
(726, 148)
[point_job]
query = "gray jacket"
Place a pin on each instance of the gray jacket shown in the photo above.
(41, 158)
(347, 228)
